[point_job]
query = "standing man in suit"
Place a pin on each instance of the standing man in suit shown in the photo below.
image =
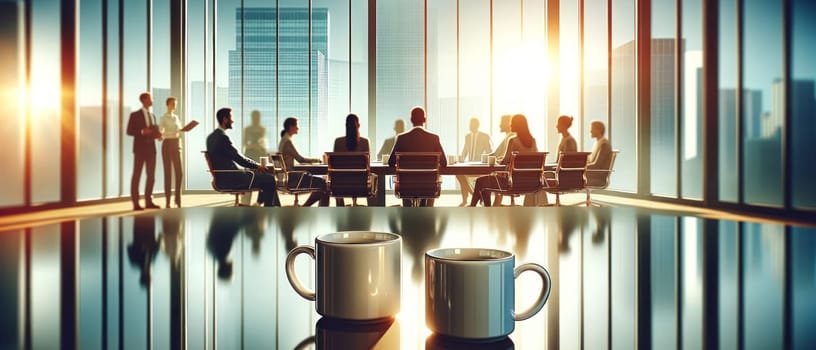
(476, 144)
(224, 156)
(142, 126)
(418, 140)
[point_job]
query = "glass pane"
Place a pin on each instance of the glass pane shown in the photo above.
(442, 84)
(664, 281)
(255, 68)
(474, 71)
(803, 274)
(330, 44)
(762, 102)
(199, 103)
(691, 140)
(507, 58)
(117, 172)
(534, 80)
(359, 73)
(622, 131)
(12, 272)
(89, 99)
(160, 76)
(727, 53)
(12, 83)
(803, 103)
(596, 68)
(44, 94)
(134, 73)
(400, 64)
(663, 96)
(569, 69)
(228, 82)
(763, 258)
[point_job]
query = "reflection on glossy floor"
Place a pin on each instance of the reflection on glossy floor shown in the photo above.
(205, 278)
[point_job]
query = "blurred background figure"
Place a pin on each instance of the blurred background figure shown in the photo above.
(476, 144)
(254, 145)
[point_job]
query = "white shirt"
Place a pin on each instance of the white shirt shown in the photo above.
(170, 126)
(148, 120)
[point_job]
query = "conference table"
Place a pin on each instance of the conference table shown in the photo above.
(463, 168)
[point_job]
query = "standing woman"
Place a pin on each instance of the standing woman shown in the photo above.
(353, 142)
(171, 150)
(287, 148)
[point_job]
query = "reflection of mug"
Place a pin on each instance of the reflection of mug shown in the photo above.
(358, 274)
(337, 334)
(437, 342)
(470, 292)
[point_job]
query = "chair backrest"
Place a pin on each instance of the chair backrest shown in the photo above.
(526, 170)
(348, 174)
(599, 178)
(209, 169)
(417, 175)
(279, 169)
(571, 170)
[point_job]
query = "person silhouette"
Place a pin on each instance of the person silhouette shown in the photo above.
(142, 126)
(142, 251)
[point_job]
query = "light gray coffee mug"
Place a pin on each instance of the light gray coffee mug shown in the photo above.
(358, 274)
(470, 292)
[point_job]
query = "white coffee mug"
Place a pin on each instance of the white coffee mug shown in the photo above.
(358, 274)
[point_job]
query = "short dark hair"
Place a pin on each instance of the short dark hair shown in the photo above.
(167, 101)
(222, 114)
(418, 116)
(143, 96)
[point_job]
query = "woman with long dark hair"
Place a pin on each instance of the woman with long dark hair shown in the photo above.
(353, 142)
(305, 180)
(522, 142)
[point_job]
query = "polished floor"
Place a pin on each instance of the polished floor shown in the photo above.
(213, 278)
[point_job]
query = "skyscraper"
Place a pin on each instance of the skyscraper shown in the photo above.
(302, 85)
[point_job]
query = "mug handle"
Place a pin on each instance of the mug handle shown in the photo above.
(545, 289)
(290, 271)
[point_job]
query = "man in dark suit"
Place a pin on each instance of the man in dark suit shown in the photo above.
(224, 156)
(142, 126)
(418, 140)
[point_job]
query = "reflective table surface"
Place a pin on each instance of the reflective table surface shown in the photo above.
(208, 278)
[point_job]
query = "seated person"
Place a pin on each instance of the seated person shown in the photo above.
(417, 140)
(601, 155)
(224, 156)
(287, 148)
(522, 142)
(476, 144)
(353, 142)
(388, 144)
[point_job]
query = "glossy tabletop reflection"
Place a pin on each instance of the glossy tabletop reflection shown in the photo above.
(207, 278)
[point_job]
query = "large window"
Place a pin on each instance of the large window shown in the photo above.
(803, 103)
(623, 132)
(691, 102)
(12, 80)
(596, 68)
(44, 101)
(762, 102)
(89, 100)
(728, 97)
(663, 92)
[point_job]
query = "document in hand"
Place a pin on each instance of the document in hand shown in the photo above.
(189, 125)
